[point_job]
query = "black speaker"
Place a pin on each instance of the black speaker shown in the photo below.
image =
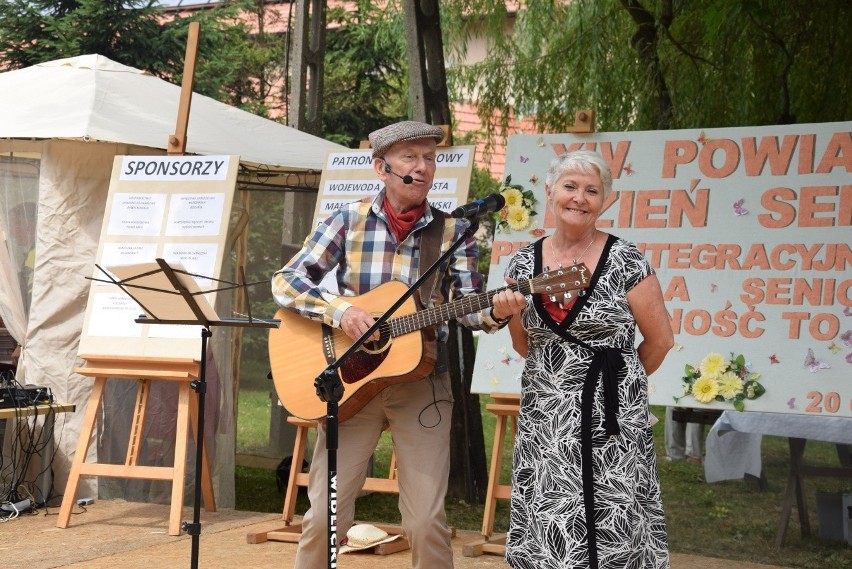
(387, 168)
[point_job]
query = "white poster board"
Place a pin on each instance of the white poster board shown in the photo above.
(349, 176)
(176, 208)
(749, 232)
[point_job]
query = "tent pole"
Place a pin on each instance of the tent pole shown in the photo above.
(177, 141)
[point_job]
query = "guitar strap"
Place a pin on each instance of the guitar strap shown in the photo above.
(430, 249)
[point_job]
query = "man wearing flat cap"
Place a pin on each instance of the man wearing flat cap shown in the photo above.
(366, 244)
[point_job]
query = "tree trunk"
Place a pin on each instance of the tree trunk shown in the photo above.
(468, 469)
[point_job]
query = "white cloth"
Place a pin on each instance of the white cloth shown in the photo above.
(733, 445)
(731, 455)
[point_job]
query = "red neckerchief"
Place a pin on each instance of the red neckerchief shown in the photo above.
(402, 223)
(555, 309)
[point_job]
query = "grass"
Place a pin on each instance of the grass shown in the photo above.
(734, 520)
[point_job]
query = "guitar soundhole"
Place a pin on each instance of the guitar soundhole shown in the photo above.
(377, 346)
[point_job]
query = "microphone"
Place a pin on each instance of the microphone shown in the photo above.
(405, 179)
(478, 208)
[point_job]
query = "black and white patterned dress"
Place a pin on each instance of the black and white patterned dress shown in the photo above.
(585, 490)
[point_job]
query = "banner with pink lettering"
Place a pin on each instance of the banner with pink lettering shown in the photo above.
(748, 230)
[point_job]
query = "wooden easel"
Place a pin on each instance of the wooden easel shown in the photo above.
(505, 407)
(144, 371)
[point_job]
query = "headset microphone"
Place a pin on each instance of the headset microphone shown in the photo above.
(405, 179)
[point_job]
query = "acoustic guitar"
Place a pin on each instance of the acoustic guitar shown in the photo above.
(300, 348)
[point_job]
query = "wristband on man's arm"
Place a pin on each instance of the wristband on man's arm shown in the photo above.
(500, 322)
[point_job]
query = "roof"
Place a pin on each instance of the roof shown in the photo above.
(493, 158)
(90, 97)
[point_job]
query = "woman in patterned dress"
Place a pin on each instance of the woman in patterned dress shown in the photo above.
(585, 490)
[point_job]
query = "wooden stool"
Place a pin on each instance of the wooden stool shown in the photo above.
(505, 407)
(144, 371)
(298, 479)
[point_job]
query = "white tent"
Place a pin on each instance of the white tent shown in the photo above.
(92, 98)
(61, 124)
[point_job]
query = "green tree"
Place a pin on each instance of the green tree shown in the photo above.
(134, 33)
(366, 73)
(250, 59)
(656, 64)
(35, 31)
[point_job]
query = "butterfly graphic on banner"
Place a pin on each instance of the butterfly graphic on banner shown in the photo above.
(738, 207)
(813, 364)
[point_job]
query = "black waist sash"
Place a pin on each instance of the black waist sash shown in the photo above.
(608, 363)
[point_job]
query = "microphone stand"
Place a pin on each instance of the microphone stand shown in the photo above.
(330, 389)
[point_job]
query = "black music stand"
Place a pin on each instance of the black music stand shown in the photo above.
(330, 388)
(174, 292)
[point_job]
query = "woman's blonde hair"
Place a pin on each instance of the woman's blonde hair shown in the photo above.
(584, 161)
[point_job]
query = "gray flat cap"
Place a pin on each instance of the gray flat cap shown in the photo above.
(386, 137)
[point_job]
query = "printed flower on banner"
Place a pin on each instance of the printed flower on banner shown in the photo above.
(716, 378)
(846, 338)
(712, 365)
(517, 214)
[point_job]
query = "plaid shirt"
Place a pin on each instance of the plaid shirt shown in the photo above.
(357, 244)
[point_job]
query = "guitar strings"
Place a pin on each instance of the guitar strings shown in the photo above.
(470, 303)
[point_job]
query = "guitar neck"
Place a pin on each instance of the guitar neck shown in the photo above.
(450, 311)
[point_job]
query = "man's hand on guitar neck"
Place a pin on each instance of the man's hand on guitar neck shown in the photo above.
(356, 321)
(507, 303)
